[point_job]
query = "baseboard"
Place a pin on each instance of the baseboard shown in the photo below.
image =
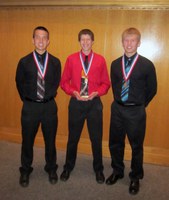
(152, 155)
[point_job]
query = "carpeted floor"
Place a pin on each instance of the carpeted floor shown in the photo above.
(81, 185)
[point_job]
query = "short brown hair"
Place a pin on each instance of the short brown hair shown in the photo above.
(40, 28)
(86, 32)
(131, 31)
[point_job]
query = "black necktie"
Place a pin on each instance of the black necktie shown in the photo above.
(86, 62)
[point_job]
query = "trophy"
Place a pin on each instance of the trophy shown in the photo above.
(84, 86)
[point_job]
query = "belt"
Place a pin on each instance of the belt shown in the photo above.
(128, 104)
(38, 100)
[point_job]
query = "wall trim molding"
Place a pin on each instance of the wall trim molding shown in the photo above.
(152, 155)
(92, 7)
(95, 4)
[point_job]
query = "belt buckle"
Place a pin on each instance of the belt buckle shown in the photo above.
(39, 101)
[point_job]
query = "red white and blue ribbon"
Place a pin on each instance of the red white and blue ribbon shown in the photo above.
(43, 73)
(126, 76)
(90, 62)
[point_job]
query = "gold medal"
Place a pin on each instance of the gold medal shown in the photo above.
(125, 84)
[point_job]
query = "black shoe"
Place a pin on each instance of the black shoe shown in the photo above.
(65, 175)
(112, 179)
(134, 187)
(24, 180)
(100, 177)
(53, 178)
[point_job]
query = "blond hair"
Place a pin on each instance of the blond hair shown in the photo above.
(131, 31)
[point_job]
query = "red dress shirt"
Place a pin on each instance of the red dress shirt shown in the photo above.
(98, 79)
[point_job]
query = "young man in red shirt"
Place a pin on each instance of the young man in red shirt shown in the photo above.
(85, 78)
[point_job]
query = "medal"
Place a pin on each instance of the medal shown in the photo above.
(125, 84)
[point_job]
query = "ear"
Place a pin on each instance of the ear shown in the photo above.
(139, 43)
(33, 41)
(48, 42)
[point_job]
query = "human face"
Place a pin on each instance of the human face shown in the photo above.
(86, 43)
(41, 41)
(130, 44)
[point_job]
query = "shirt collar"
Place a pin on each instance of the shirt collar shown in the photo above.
(89, 55)
(41, 55)
(131, 58)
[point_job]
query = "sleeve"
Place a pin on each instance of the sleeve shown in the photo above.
(112, 75)
(151, 84)
(20, 79)
(104, 80)
(58, 74)
(65, 83)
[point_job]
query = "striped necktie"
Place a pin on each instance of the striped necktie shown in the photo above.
(40, 81)
(125, 84)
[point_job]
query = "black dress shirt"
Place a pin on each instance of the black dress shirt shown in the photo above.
(26, 77)
(143, 81)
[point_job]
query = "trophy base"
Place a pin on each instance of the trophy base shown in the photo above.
(84, 96)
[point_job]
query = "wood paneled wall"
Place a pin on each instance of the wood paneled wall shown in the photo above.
(64, 23)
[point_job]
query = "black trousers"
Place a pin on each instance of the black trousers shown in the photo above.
(130, 120)
(33, 114)
(79, 111)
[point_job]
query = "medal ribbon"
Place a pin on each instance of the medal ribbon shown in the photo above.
(126, 76)
(90, 62)
(39, 65)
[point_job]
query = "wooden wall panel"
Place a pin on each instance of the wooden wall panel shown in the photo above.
(64, 23)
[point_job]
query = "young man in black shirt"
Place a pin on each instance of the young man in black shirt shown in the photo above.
(37, 79)
(134, 85)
